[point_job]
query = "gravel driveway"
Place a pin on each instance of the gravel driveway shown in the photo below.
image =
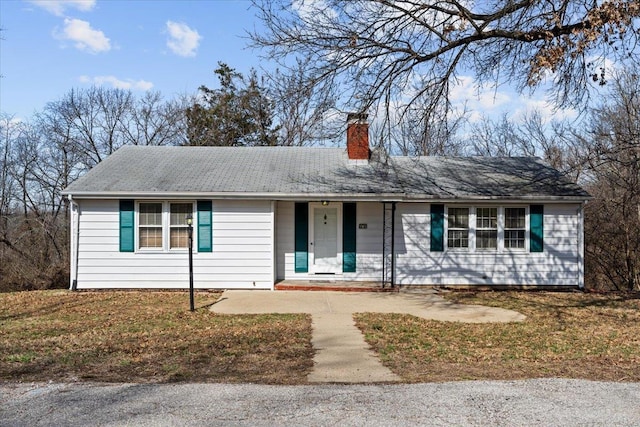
(547, 402)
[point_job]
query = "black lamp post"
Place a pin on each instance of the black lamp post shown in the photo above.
(190, 225)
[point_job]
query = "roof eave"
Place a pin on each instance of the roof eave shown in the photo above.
(388, 197)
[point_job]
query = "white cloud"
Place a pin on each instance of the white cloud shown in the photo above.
(85, 37)
(478, 100)
(128, 84)
(182, 40)
(57, 7)
(546, 110)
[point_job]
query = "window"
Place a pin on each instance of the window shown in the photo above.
(487, 228)
(490, 228)
(150, 226)
(163, 225)
(178, 229)
(458, 228)
(514, 228)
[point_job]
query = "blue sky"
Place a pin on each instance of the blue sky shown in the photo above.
(50, 47)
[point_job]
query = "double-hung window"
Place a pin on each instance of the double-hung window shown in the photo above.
(514, 228)
(150, 225)
(178, 229)
(487, 228)
(458, 228)
(163, 225)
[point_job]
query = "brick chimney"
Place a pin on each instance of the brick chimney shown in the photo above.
(357, 136)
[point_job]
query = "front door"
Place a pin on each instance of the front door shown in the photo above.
(325, 245)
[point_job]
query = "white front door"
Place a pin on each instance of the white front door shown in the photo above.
(325, 244)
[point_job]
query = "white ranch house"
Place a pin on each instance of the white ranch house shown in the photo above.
(268, 214)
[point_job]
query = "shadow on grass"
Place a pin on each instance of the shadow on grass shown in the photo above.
(54, 307)
(547, 300)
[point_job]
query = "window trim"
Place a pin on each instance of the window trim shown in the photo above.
(476, 228)
(500, 245)
(171, 227)
(470, 236)
(166, 226)
(527, 228)
(139, 226)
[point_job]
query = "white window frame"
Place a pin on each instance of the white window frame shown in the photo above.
(166, 226)
(473, 229)
(138, 227)
(527, 228)
(476, 228)
(170, 227)
(469, 231)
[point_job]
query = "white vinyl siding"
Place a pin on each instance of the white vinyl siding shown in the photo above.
(241, 256)
(558, 265)
(250, 236)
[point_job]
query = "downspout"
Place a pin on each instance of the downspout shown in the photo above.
(75, 242)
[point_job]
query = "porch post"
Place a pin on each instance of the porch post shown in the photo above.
(393, 244)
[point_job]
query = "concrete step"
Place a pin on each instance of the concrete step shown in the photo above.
(334, 286)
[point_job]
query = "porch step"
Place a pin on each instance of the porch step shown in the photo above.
(333, 286)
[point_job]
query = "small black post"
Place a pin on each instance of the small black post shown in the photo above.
(191, 298)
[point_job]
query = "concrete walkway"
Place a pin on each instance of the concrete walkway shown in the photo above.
(342, 355)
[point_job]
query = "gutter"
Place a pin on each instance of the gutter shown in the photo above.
(374, 197)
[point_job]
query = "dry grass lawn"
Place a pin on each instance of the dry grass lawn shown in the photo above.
(152, 337)
(568, 335)
(146, 337)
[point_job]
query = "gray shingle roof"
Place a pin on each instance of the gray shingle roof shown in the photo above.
(307, 172)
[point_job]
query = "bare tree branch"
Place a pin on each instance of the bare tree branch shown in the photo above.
(374, 51)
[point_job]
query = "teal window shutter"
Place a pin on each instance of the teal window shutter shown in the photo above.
(536, 221)
(301, 237)
(127, 226)
(349, 237)
(437, 228)
(205, 241)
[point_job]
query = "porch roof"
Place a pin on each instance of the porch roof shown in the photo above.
(278, 173)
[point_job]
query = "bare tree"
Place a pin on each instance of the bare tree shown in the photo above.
(499, 138)
(38, 159)
(415, 134)
(92, 120)
(33, 239)
(9, 132)
(303, 113)
(613, 158)
(397, 52)
(154, 121)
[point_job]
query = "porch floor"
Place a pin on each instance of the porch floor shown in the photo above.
(333, 285)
